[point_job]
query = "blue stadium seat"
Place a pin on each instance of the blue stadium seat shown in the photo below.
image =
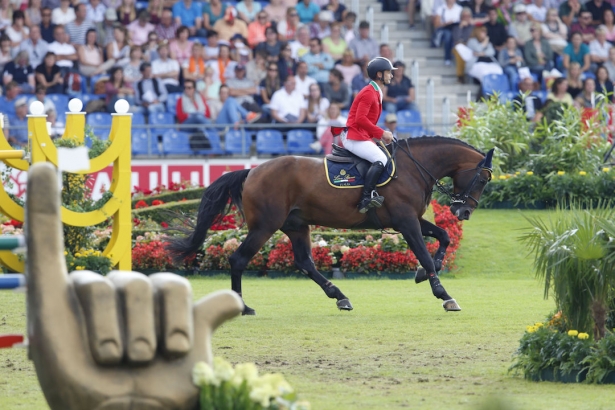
(237, 142)
(214, 140)
(100, 123)
(172, 102)
(270, 142)
(493, 83)
(61, 117)
(507, 96)
(299, 142)
(141, 5)
(409, 121)
(344, 113)
(140, 144)
(177, 143)
(541, 94)
(380, 122)
(138, 119)
(161, 118)
(60, 101)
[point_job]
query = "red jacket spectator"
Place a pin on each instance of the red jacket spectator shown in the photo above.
(186, 107)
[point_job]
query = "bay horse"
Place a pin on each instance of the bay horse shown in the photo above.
(291, 193)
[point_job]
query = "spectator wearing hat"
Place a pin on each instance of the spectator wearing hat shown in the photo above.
(46, 25)
(105, 29)
(35, 46)
(166, 69)
(20, 71)
(256, 29)
(288, 104)
(150, 92)
(48, 74)
(322, 28)
(77, 28)
(318, 63)
(243, 89)
(584, 26)
(167, 27)
(95, 12)
(188, 14)
(247, 10)
(520, 27)
(140, 28)
(229, 26)
(399, 94)
(64, 14)
(287, 28)
(18, 130)
(364, 47)
(390, 124)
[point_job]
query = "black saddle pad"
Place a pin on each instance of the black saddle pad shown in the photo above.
(346, 170)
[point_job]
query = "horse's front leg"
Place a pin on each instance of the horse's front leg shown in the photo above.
(433, 231)
(411, 230)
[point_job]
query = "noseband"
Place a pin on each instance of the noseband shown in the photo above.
(461, 198)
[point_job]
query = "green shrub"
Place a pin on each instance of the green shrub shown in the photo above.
(167, 212)
(170, 196)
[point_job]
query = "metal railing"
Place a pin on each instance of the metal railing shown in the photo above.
(369, 17)
(429, 112)
(414, 76)
(384, 33)
(399, 51)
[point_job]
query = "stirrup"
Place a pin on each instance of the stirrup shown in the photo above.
(375, 201)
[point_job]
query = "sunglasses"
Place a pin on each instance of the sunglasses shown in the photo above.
(293, 15)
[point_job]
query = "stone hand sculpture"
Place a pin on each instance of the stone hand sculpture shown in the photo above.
(125, 341)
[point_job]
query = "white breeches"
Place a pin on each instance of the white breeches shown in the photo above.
(364, 149)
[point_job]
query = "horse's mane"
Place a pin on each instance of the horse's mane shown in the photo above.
(440, 139)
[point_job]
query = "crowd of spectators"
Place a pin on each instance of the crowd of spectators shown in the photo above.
(223, 62)
(565, 39)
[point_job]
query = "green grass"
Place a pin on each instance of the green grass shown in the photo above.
(398, 349)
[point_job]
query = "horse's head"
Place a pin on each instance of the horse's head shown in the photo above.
(468, 185)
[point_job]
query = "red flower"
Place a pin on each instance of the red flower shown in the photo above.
(14, 223)
(164, 224)
(136, 221)
(157, 202)
(141, 204)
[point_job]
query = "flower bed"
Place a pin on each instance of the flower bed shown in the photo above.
(351, 251)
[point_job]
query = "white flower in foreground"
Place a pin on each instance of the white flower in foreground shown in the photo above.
(277, 383)
(344, 249)
(203, 374)
(245, 371)
(262, 395)
(223, 369)
(322, 243)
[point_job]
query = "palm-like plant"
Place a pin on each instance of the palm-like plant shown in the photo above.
(574, 255)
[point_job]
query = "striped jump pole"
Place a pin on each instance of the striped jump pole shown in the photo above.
(12, 242)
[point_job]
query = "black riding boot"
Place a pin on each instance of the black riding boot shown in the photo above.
(370, 198)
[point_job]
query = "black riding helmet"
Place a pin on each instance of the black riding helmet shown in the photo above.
(377, 65)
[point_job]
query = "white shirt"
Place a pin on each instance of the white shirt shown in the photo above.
(17, 36)
(228, 73)
(62, 50)
(58, 17)
(537, 13)
(324, 123)
(303, 86)
(452, 15)
(599, 50)
(298, 50)
(164, 67)
(285, 104)
(211, 51)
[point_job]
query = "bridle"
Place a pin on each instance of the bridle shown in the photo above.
(461, 198)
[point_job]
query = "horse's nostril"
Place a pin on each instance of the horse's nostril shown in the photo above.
(466, 214)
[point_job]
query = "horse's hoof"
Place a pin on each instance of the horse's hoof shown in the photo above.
(421, 275)
(344, 304)
(248, 311)
(451, 305)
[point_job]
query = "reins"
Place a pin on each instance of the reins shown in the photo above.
(461, 198)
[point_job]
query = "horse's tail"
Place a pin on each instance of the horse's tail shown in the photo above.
(214, 206)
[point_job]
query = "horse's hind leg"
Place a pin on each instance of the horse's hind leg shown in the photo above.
(242, 256)
(302, 249)
(433, 231)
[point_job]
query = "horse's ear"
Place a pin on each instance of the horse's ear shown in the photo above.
(487, 162)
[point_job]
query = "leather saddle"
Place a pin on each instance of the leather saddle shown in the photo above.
(342, 155)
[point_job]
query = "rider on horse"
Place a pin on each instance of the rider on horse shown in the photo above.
(361, 128)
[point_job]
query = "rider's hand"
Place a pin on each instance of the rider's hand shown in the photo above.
(116, 342)
(387, 137)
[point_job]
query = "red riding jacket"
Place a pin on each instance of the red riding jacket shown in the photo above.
(364, 115)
